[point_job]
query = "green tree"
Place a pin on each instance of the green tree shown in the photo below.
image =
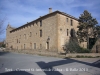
(97, 30)
(86, 27)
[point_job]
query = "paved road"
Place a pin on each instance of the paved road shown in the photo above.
(24, 64)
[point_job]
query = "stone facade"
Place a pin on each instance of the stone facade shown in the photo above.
(48, 32)
(96, 47)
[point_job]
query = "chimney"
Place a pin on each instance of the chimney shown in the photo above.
(50, 10)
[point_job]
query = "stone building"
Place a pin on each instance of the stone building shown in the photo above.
(96, 47)
(48, 32)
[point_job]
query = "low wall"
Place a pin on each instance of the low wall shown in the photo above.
(55, 54)
(37, 52)
(83, 54)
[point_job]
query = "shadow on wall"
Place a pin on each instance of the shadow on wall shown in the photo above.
(16, 73)
(49, 66)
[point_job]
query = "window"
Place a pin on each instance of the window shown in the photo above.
(67, 19)
(40, 46)
(30, 45)
(41, 23)
(67, 32)
(20, 36)
(24, 46)
(21, 46)
(25, 36)
(40, 33)
(17, 40)
(47, 45)
(72, 32)
(34, 45)
(33, 24)
(30, 34)
(71, 22)
(17, 47)
(36, 23)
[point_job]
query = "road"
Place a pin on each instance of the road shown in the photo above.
(24, 64)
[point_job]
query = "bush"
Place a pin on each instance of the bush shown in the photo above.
(3, 45)
(78, 56)
(81, 56)
(73, 47)
(83, 50)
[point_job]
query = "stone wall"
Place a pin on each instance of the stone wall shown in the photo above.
(26, 37)
(96, 47)
(64, 30)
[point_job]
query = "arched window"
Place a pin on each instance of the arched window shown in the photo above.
(47, 45)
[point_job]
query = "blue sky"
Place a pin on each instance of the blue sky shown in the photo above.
(19, 12)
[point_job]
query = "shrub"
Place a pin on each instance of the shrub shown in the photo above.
(81, 56)
(73, 47)
(83, 50)
(78, 56)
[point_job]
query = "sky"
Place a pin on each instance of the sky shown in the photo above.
(19, 12)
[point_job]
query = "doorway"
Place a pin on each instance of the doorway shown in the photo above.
(47, 45)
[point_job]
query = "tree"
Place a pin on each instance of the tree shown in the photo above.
(97, 30)
(87, 27)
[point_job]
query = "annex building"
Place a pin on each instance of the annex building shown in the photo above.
(48, 32)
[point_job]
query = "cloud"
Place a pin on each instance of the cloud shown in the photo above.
(18, 12)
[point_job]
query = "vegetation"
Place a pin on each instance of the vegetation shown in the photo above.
(87, 28)
(73, 47)
(81, 56)
(3, 45)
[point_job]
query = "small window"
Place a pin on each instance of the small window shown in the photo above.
(40, 33)
(30, 45)
(17, 40)
(24, 46)
(30, 34)
(71, 22)
(34, 45)
(33, 24)
(67, 19)
(36, 23)
(41, 23)
(47, 45)
(40, 46)
(25, 36)
(20, 36)
(67, 32)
